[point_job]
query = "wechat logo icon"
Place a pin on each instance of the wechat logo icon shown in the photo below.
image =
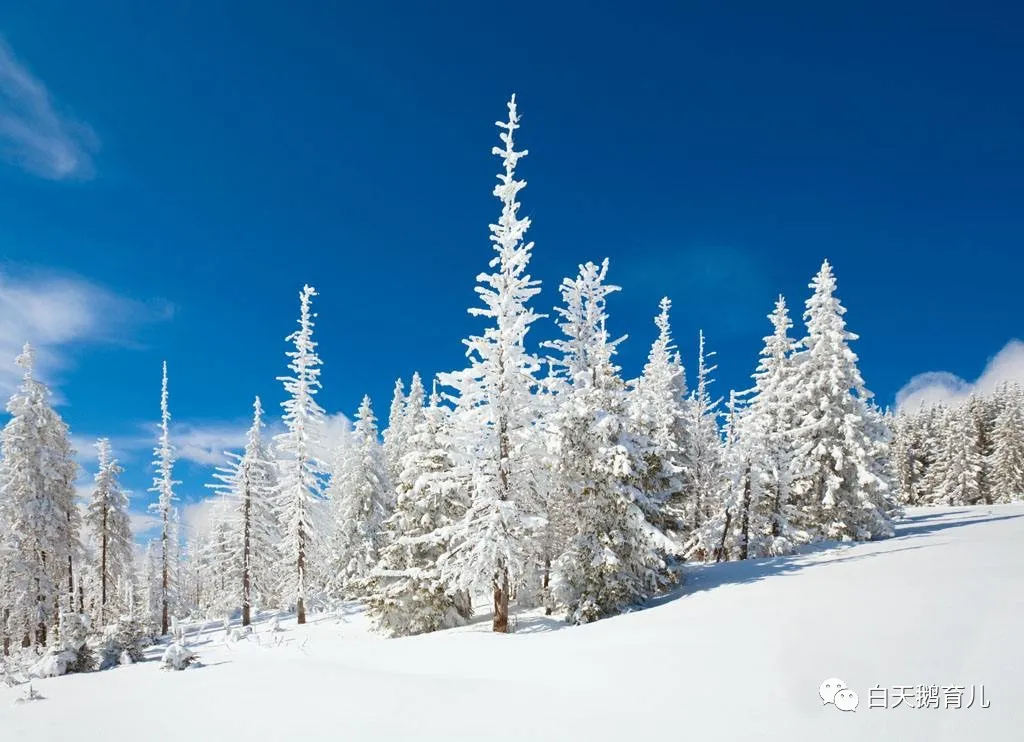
(838, 693)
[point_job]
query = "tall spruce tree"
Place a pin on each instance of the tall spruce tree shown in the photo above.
(493, 422)
(658, 413)
(770, 418)
(301, 471)
(836, 481)
(106, 518)
(163, 486)
(396, 433)
(360, 495)
(248, 489)
(962, 467)
(704, 474)
(1008, 445)
(406, 594)
(38, 511)
(615, 556)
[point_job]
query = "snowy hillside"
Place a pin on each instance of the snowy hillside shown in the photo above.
(738, 654)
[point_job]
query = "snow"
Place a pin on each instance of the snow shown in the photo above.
(738, 653)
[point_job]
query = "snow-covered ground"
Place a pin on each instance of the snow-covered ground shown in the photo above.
(737, 655)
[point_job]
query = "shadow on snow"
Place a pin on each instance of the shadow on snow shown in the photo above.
(703, 577)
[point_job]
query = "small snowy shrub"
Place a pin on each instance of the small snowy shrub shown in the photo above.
(177, 657)
(123, 643)
(53, 664)
(30, 695)
(72, 652)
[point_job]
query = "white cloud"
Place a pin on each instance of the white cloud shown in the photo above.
(206, 444)
(941, 387)
(333, 434)
(195, 518)
(143, 524)
(35, 134)
(54, 313)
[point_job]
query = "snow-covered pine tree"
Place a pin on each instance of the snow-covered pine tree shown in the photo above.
(412, 415)
(615, 556)
(933, 424)
(301, 472)
(836, 481)
(1008, 445)
(771, 419)
(360, 497)
(658, 413)
(106, 518)
(248, 488)
(60, 472)
(725, 534)
(983, 412)
(37, 508)
(880, 437)
(907, 455)
(150, 587)
(962, 464)
(494, 419)
(405, 592)
(396, 433)
(552, 527)
(704, 475)
(163, 485)
(224, 571)
(755, 516)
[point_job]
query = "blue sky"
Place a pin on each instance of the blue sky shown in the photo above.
(173, 173)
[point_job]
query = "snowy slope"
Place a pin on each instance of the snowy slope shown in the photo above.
(739, 654)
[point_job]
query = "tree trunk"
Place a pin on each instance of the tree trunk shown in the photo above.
(720, 550)
(246, 561)
(500, 623)
(164, 608)
(545, 585)
(41, 600)
(300, 603)
(103, 566)
(777, 505)
(745, 519)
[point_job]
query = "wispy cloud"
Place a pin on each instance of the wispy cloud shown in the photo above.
(196, 517)
(205, 442)
(941, 387)
(54, 313)
(35, 133)
(143, 524)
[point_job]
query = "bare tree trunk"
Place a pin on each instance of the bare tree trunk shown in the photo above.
(71, 564)
(164, 607)
(745, 519)
(720, 549)
(71, 583)
(246, 567)
(545, 585)
(103, 566)
(300, 603)
(777, 508)
(41, 600)
(500, 623)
